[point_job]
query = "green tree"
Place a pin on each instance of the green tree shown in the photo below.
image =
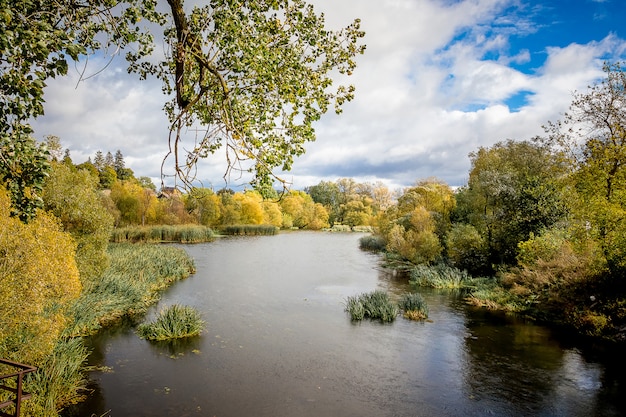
(327, 194)
(255, 78)
(514, 189)
(24, 167)
(592, 136)
(71, 195)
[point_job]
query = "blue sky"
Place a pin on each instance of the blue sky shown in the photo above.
(439, 79)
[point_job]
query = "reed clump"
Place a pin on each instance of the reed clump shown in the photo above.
(375, 305)
(174, 322)
(133, 282)
(250, 230)
(188, 233)
(439, 276)
(414, 306)
(58, 381)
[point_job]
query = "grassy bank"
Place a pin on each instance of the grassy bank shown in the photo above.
(133, 282)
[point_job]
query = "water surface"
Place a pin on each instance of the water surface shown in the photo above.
(278, 343)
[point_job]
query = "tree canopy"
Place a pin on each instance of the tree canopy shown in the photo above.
(253, 76)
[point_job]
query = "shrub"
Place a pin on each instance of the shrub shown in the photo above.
(373, 305)
(174, 322)
(414, 306)
(372, 243)
(466, 248)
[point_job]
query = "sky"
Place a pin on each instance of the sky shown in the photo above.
(438, 80)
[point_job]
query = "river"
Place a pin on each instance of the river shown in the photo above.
(279, 343)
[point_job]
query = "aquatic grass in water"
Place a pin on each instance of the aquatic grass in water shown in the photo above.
(250, 230)
(439, 276)
(373, 305)
(189, 233)
(174, 322)
(414, 306)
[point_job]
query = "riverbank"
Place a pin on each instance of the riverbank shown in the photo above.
(136, 277)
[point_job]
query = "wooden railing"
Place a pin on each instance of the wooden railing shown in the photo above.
(17, 395)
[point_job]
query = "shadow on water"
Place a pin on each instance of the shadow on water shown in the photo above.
(279, 343)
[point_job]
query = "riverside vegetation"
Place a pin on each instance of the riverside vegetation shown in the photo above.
(538, 230)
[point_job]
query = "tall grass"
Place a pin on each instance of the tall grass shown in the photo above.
(58, 381)
(439, 276)
(137, 274)
(375, 305)
(174, 322)
(190, 233)
(250, 230)
(414, 306)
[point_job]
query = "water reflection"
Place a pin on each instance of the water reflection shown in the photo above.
(278, 343)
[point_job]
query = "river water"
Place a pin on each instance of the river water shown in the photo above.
(278, 343)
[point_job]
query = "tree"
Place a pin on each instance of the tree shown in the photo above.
(514, 189)
(327, 194)
(592, 137)
(118, 163)
(256, 78)
(38, 281)
(71, 195)
(24, 166)
(253, 75)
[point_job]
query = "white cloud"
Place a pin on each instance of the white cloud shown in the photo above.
(426, 96)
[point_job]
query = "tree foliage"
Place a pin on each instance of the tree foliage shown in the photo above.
(38, 280)
(592, 137)
(71, 195)
(254, 76)
(513, 191)
(24, 167)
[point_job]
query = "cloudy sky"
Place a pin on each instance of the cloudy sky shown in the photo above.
(439, 79)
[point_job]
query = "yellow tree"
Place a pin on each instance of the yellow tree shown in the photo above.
(38, 280)
(251, 207)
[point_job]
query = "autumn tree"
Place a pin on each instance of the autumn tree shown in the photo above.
(299, 210)
(205, 205)
(38, 281)
(592, 137)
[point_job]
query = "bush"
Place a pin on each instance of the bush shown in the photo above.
(414, 306)
(372, 243)
(374, 305)
(174, 322)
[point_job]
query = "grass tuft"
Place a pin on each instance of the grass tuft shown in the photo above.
(250, 230)
(374, 305)
(189, 233)
(174, 322)
(132, 283)
(414, 306)
(439, 276)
